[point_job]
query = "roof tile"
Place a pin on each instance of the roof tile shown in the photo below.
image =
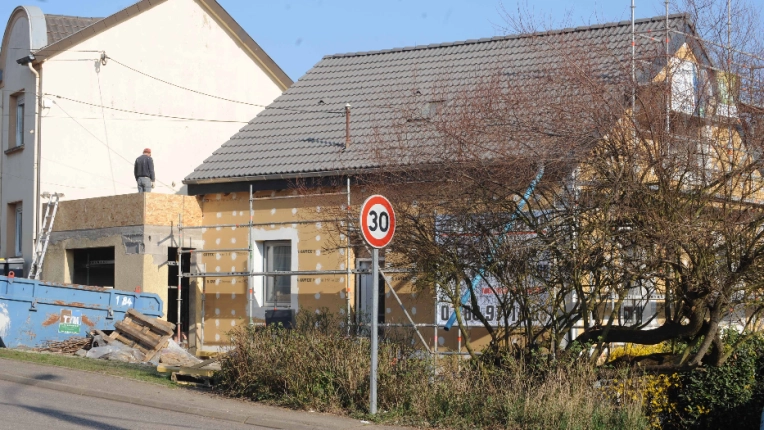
(62, 26)
(296, 134)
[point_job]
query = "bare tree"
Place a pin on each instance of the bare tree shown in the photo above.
(586, 193)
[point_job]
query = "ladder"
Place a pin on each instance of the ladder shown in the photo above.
(51, 207)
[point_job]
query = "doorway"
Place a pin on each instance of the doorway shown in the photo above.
(172, 288)
(93, 266)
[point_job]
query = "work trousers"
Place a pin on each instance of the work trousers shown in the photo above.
(144, 184)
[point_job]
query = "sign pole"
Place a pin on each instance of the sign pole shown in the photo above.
(374, 328)
(377, 222)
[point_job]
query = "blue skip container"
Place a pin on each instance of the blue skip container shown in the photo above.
(34, 312)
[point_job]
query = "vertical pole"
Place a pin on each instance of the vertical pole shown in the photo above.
(435, 330)
(554, 323)
(633, 70)
(668, 80)
(347, 125)
(180, 270)
(347, 255)
(204, 299)
(250, 278)
(374, 328)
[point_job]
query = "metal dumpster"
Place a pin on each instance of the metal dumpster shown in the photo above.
(33, 312)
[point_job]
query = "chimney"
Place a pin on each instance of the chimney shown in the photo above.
(347, 126)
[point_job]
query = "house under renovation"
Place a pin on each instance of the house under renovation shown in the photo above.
(128, 242)
(272, 197)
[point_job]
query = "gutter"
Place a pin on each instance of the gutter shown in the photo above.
(327, 173)
(38, 150)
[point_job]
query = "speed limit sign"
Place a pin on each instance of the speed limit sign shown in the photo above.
(378, 227)
(377, 221)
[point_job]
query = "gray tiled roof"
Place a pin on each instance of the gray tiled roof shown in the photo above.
(62, 26)
(302, 131)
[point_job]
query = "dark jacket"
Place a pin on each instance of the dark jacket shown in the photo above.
(144, 167)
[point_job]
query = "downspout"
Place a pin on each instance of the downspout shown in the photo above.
(37, 146)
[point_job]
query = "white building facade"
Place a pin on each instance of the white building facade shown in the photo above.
(82, 97)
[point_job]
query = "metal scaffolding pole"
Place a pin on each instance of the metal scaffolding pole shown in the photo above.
(180, 272)
(251, 259)
(347, 254)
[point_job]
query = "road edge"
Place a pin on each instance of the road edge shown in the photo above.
(167, 406)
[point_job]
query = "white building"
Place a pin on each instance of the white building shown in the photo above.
(82, 97)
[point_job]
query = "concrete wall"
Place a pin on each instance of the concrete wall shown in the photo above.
(140, 227)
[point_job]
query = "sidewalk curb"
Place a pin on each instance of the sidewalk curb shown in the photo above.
(167, 406)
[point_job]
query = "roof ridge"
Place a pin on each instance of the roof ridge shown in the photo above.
(672, 17)
(55, 15)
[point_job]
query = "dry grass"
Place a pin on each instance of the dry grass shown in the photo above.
(317, 366)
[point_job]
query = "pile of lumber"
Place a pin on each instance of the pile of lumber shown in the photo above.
(146, 334)
(68, 346)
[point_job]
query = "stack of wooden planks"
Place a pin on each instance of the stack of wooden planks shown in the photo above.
(68, 346)
(148, 335)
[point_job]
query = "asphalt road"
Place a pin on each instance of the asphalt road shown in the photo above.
(27, 407)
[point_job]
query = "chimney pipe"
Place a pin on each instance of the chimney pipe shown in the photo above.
(347, 126)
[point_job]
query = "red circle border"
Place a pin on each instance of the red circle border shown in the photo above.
(371, 201)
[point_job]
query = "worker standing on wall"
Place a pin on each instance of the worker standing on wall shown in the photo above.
(144, 171)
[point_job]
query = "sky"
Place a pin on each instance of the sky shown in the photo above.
(298, 33)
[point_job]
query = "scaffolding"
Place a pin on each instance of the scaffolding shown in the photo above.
(250, 274)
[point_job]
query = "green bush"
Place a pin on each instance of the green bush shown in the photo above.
(318, 366)
(717, 397)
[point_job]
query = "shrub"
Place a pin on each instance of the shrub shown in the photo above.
(715, 397)
(703, 398)
(318, 366)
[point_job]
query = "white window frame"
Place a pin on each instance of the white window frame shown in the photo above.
(18, 128)
(257, 283)
(18, 243)
(270, 281)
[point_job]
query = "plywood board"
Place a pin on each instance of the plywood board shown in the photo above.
(100, 212)
(163, 209)
(318, 248)
(127, 210)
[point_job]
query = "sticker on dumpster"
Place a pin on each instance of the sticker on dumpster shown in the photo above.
(5, 320)
(70, 321)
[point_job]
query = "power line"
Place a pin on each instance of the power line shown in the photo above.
(333, 113)
(94, 136)
(103, 143)
(85, 171)
(53, 183)
(105, 132)
(144, 113)
(182, 87)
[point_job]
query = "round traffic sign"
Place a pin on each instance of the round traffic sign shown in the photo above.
(377, 221)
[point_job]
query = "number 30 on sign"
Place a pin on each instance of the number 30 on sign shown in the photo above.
(377, 221)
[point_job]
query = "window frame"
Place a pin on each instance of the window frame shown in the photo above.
(274, 283)
(16, 135)
(18, 234)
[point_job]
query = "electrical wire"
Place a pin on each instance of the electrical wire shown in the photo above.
(105, 131)
(128, 161)
(94, 136)
(333, 113)
(143, 113)
(53, 183)
(85, 171)
(182, 87)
